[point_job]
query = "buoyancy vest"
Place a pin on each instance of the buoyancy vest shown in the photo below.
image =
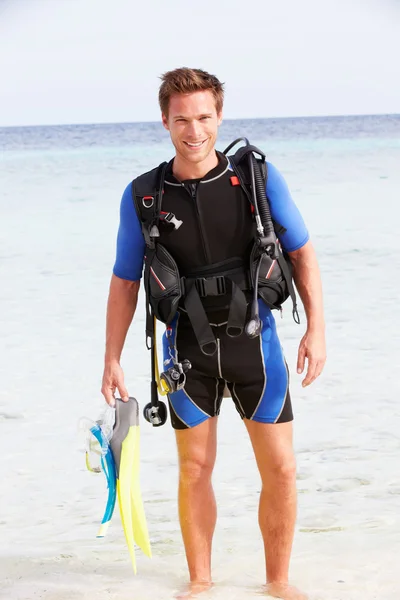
(201, 248)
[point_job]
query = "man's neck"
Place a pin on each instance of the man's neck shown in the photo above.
(183, 169)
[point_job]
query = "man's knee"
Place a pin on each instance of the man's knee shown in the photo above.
(285, 468)
(196, 470)
(282, 470)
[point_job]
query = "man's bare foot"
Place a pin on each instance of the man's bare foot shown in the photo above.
(284, 591)
(193, 589)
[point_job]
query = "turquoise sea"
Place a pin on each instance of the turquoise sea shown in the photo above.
(60, 189)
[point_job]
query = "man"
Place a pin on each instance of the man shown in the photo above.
(197, 182)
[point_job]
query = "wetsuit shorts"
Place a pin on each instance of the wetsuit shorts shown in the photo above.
(254, 370)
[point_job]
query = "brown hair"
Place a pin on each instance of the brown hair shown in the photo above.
(187, 81)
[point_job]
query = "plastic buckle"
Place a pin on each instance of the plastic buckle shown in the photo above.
(221, 285)
(201, 287)
(211, 286)
(171, 218)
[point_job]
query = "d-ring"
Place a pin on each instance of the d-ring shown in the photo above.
(150, 198)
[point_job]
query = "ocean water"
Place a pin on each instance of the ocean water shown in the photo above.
(60, 189)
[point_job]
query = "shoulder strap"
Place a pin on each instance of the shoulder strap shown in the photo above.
(240, 168)
(147, 191)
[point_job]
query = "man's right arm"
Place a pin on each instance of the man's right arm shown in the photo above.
(121, 306)
(123, 296)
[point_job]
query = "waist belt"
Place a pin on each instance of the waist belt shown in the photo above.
(216, 285)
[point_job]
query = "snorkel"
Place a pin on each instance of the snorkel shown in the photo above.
(97, 444)
(108, 466)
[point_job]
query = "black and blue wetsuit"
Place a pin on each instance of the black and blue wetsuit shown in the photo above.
(217, 225)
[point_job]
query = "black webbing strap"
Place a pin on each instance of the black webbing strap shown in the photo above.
(149, 213)
(288, 277)
(160, 190)
(237, 312)
(199, 321)
(242, 178)
(153, 385)
(147, 193)
(149, 315)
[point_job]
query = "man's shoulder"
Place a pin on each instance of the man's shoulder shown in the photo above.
(272, 169)
(275, 179)
(148, 175)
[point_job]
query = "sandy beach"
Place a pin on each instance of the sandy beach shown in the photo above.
(58, 239)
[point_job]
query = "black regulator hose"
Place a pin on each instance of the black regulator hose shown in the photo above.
(263, 207)
(254, 326)
(266, 235)
(266, 238)
(241, 139)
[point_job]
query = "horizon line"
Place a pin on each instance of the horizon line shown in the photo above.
(77, 124)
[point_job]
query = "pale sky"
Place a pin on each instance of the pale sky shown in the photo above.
(86, 61)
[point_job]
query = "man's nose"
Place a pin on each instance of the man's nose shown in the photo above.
(194, 129)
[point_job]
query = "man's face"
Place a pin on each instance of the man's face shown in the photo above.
(193, 124)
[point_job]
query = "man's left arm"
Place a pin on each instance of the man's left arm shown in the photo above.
(307, 278)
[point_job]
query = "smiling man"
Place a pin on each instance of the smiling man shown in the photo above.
(198, 243)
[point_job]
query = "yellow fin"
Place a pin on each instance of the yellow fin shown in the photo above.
(140, 531)
(124, 496)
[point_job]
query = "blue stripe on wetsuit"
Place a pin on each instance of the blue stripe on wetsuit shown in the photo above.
(276, 384)
(131, 244)
(182, 404)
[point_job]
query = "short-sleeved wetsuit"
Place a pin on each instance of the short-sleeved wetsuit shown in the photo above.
(254, 370)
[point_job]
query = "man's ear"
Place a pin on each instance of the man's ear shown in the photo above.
(164, 121)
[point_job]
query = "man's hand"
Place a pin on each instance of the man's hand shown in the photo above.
(113, 378)
(312, 347)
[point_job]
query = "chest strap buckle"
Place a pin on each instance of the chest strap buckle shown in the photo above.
(211, 286)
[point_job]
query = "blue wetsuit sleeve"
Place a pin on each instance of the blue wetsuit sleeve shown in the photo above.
(130, 241)
(285, 212)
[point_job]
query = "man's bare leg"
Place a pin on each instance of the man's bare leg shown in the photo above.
(197, 506)
(273, 449)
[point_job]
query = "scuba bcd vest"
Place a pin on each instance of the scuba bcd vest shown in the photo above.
(268, 274)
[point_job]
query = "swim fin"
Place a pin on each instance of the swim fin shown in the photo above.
(125, 449)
